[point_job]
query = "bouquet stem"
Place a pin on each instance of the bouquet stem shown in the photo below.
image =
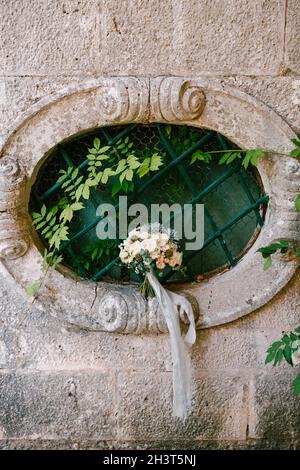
(146, 288)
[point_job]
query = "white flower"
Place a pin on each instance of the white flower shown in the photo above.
(135, 248)
(135, 233)
(164, 237)
(149, 245)
(143, 235)
(155, 236)
(124, 256)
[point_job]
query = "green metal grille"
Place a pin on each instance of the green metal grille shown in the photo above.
(233, 198)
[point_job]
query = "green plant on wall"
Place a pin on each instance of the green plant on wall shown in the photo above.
(115, 169)
(288, 347)
(119, 169)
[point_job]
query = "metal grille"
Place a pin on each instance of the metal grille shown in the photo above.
(233, 198)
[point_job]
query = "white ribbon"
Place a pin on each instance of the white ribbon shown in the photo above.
(176, 306)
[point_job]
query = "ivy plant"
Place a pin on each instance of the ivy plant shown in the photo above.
(120, 166)
(288, 347)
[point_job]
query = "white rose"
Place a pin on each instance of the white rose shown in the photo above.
(148, 244)
(124, 256)
(144, 235)
(135, 248)
(155, 236)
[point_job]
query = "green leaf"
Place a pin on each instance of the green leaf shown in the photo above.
(79, 191)
(66, 215)
(131, 186)
(199, 155)
(35, 215)
(125, 185)
(232, 157)
(286, 339)
(75, 173)
(61, 178)
(297, 203)
(43, 210)
(144, 168)
(43, 232)
(121, 166)
(66, 183)
(269, 249)
(122, 176)
(34, 288)
(96, 143)
(60, 235)
(40, 225)
(86, 192)
(229, 157)
(274, 346)
(77, 206)
(103, 149)
(133, 162)
(278, 357)
(168, 130)
(287, 353)
(295, 153)
(247, 159)
(296, 142)
(129, 175)
(267, 263)
(256, 154)
(102, 157)
(156, 162)
(296, 385)
(270, 357)
(106, 174)
(116, 188)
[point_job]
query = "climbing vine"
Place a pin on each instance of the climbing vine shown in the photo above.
(118, 169)
(288, 347)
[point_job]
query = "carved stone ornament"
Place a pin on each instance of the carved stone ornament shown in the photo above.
(177, 99)
(121, 100)
(12, 184)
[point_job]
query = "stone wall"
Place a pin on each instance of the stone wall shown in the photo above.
(63, 387)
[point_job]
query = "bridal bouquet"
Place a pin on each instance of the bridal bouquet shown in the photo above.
(149, 250)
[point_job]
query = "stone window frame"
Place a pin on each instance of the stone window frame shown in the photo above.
(193, 101)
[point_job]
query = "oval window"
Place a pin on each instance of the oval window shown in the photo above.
(169, 164)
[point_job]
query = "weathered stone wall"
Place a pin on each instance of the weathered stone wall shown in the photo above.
(65, 387)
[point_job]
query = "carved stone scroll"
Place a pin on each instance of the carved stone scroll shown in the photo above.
(177, 99)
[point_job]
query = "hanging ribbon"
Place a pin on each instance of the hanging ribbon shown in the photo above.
(174, 307)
